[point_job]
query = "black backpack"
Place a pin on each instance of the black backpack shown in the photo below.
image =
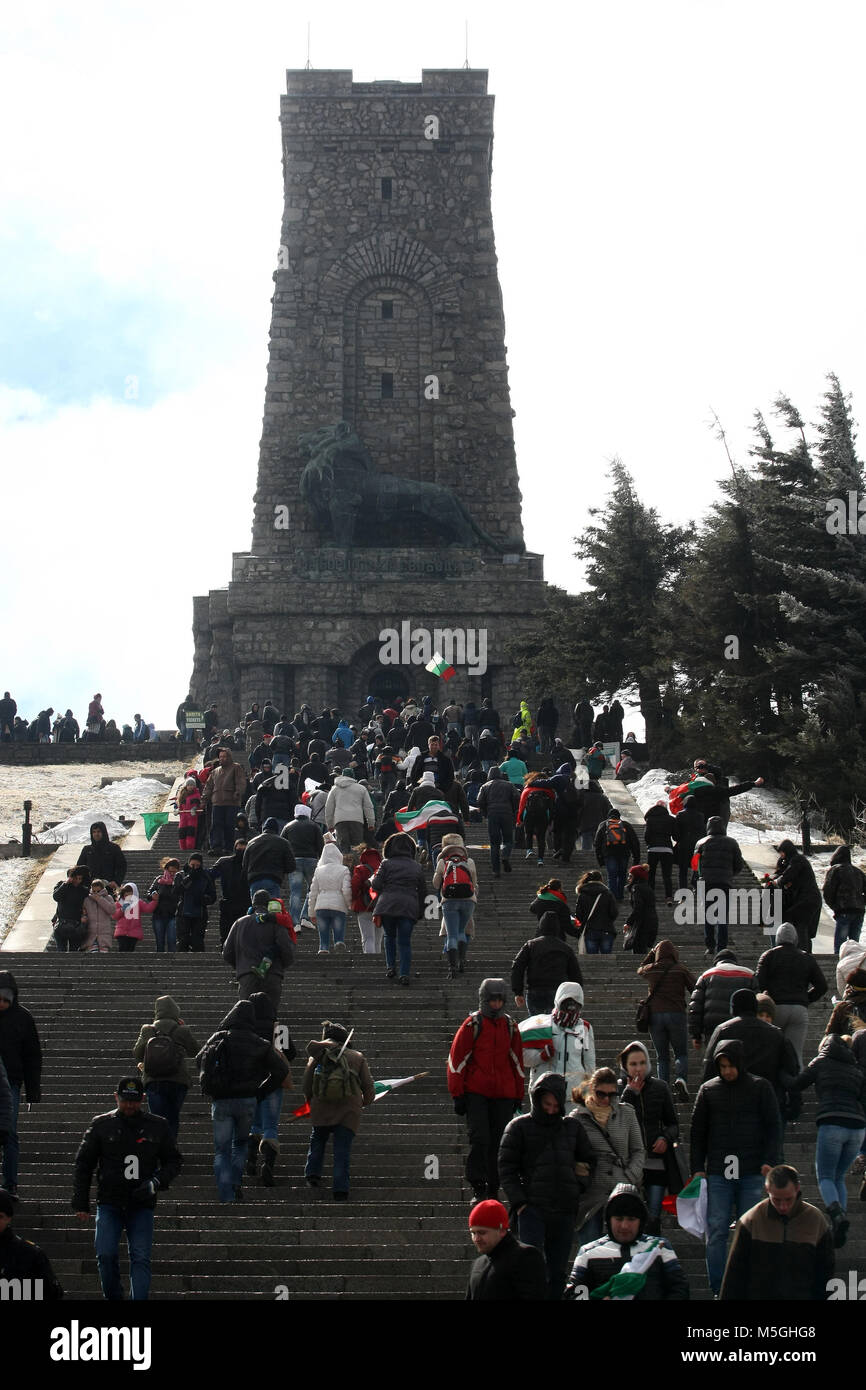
(163, 1056)
(225, 1067)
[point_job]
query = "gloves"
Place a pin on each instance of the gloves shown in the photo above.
(459, 1105)
(145, 1190)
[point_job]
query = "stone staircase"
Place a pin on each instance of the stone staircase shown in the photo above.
(403, 1233)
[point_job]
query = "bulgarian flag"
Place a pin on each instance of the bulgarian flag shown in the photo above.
(631, 1278)
(383, 1088)
(439, 667)
(152, 821)
(416, 820)
(692, 1208)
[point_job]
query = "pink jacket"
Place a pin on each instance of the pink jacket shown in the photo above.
(131, 926)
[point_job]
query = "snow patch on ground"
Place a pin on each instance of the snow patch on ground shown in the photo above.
(61, 790)
(758, 817)
(17, 880)
(129, 797)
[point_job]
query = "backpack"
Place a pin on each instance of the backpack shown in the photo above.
(615, 835)
(223, 1069)
(457, 880)
(540, 803)
(162, 1055)
(476, 1020)
(333, 1078)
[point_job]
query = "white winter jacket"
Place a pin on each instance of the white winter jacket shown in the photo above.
(332, 882)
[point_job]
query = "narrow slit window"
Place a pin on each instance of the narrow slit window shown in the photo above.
(387, 190)
(387, 386)
(387, 308)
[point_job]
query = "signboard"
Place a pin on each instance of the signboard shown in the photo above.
(195, 719)
(611, 751)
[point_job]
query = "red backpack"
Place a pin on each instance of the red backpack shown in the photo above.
(457, 880)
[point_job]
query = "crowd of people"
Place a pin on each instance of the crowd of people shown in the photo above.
(338, 818)
(49, 726)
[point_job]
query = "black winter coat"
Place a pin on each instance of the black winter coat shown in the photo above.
(766, 1051)
(268, 856)
(845, 888)
(197, 891)
(305, 837)
(655, 1111)
(790, 976)
(839, 1082)
(710, 1003)
(716, 800)
(689, 827)
(102, 858)
(643, 915)
(256, 1067)
(720, 858)
(69, 898)
(168, 897)
(511, 1272)
(539, 906)
(543, 963)
(738, 1118)
(20, 1051)
(107, 1145)
(660, 828)
(538, 1153)
(228, 871)
(592, 808)
(631, 847)
(596, 921)
(21, 1259)
(801, 896)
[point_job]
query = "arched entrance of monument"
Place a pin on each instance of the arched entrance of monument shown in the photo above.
(388, 683)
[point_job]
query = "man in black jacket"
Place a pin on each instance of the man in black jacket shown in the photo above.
(238, 1068)
(719, 861)
(102, 858)
(257, 937)
(615, 842)
(229, 872)
(435, 761)
(135, 1157)
(782, 1248)
(541, 965)
(766, 1050)
(710, 1003)
(21, 1259)
(544, 1164)
(267, 859)
(69, 895)
(736, 1138)
(794, 980)
(21, 1055)
(505, 1270)
(714, 799)
(307, 842)
(498, 800)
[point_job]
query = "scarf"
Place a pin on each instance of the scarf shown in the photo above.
(600, 1113)
(167, 876)
(549, 895)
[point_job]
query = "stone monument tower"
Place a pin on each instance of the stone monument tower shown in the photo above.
(387, 513)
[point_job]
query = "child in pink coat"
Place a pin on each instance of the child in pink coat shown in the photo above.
(189, 806)
(127, 915)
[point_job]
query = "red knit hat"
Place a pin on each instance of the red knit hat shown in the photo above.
(490, 1214)
(639, 871)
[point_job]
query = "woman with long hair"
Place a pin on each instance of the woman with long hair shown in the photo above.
(614, 1134)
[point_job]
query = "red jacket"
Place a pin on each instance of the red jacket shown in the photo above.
(361, 875)
(490, 1065)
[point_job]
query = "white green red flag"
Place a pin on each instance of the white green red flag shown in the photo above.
(439, 667)
(416, 820)
(384, 1088)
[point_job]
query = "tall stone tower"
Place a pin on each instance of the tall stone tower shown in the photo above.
(387, 498)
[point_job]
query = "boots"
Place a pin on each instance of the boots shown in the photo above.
(269, 1152)
(461, 955)
(252, 1155)
(452, 964)
(839, 1224)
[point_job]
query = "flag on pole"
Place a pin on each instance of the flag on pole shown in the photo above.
(416, 820)
(152, 821)
(383, 1088)
(439, 667)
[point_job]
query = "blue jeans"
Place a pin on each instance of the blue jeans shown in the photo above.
(655, 1192)
(222, 827)
(616, 868)
(165, 933)
(267, 1117)
(500, 828)
(599, 945)
(300, 877)
(231, 1127)
(270, 885)
(835, 1151)
(328, 920)
(166, 1098)
(11, 1147)
(586, 839)
(398, 934)
(111, 1222)
(539, 1001)
(723, 1195)
(457, 913)
(343, 1137)
(669, 1030)
(717, 931)
(848, 926)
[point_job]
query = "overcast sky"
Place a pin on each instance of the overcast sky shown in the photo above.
(678, 207)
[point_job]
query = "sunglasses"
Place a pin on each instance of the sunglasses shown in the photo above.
(605, 1095)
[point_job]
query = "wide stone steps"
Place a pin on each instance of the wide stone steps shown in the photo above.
(402, 1235)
